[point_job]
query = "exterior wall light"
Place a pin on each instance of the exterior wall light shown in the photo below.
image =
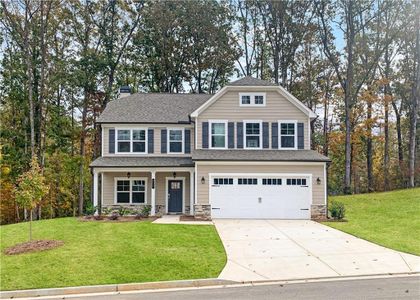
(203, 180)
(128, 175)
(174, 174)
(318, 181)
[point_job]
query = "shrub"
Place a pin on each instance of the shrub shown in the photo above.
(337, 210)
(145, 211)
(113, 216)
(122, 211)
(89, 209)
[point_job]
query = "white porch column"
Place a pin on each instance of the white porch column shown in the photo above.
(153, 202)
(95, 190)
(192, 193)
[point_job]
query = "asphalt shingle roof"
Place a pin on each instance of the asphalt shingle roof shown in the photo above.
(150, 161)
(251, 81)
(259, 155)
(152, 108)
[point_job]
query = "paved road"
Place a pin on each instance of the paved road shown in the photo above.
(384, 288)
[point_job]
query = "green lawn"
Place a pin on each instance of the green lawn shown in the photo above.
(106, 253)
(389, 219)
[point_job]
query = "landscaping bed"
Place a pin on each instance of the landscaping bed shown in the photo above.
(32, 246)
(103, 252)
(389, 219)
(118, 219)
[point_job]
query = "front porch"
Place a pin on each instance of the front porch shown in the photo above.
(168, 190)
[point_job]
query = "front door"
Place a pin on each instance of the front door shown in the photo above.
(175, 196)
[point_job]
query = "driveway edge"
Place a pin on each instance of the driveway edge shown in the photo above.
(109, 288)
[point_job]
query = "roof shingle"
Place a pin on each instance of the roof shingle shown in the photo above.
(150, 161)
(251, 81)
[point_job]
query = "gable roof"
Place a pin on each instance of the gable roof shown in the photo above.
(262, 85)
(152, 108)
(251, 81)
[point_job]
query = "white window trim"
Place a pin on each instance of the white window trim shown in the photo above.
(168, 145)
(131, 179)
(296, 135)
(252, 95)
(226, 133)
(261, 134)
(146, 140)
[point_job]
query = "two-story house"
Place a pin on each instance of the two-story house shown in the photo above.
(241, 153)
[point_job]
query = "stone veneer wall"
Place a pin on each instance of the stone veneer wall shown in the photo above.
(202, 211)
(318, 212)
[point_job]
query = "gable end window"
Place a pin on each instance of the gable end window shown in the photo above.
(218, 134)
(131, 140)
(175, 140)
(252, 136)
(251, 99)
(288, 135)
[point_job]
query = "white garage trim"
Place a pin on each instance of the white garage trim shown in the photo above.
(259, 163)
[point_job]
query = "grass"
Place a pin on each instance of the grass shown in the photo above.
(109, 253)
(390, 219)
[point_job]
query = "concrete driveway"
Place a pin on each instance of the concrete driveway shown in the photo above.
(297, 249)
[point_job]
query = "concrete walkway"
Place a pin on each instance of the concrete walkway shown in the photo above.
(296, 249)
(174, 219)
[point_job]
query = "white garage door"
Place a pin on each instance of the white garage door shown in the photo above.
(260, 196)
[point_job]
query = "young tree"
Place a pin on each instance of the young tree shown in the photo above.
(30, 190)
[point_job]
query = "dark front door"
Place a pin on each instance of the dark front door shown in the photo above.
(175, 196)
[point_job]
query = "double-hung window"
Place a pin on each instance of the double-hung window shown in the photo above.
(176, 141)
(218, 134)
(288, 135)
(252, 135)
(130, 191)
(131, 141)
(251, 99)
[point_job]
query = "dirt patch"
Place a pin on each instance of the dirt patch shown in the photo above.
(191, 218)
(33, 246)
(118, 220)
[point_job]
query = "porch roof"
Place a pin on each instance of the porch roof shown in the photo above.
(150, 161)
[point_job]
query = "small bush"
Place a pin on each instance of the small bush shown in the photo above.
(89, 209)
(122, 211)
(113, 216)
(145, 212)
(337, 210)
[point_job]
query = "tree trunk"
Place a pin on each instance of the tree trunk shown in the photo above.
(369, 149)
(30, 225)
(83, 151)
(387, 96)
(399, 141)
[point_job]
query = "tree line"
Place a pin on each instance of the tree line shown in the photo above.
(356, 63)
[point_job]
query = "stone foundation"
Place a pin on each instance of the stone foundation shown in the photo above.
(202, 211)
(160, 210)
(130, 210)
(318, 212)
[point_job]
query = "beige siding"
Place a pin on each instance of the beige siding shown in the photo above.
(109, 186)
(156, 140)
(318, 192)
(277, 108)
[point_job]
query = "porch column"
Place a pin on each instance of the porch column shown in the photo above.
(192, 193)
(153, 202)
(95, 190)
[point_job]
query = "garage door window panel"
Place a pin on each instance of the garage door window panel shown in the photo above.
(296, 181)
(223, 181)
(247, 181)
(253, 135)
(288, 135)
(271, 181)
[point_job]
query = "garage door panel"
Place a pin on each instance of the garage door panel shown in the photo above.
(274, 201)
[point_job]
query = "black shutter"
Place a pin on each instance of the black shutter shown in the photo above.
(163, 139)
(111, 142)
(187, 142)
(266, 135)
(150, 140)
(275, 135)
(231, 135)
(205, 135)
(239, 135)
(301, 138)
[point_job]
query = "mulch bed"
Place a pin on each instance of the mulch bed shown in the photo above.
(118, 220)
(33, 246)
(330, 220)
(190, 218)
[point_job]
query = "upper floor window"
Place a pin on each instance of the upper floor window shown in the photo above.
(252, 99)
(175, 141)
(252, 135)
(131, 141)
(288, 135)
(218, 136)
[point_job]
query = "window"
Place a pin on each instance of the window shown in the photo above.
(296, 181)
(218, 136)
(130, 191)
(247, 181)
(251, 99)
(252, 135)
(271, 181)
(175, 143)
(288, 135)
(223, 181)
(131, 141)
